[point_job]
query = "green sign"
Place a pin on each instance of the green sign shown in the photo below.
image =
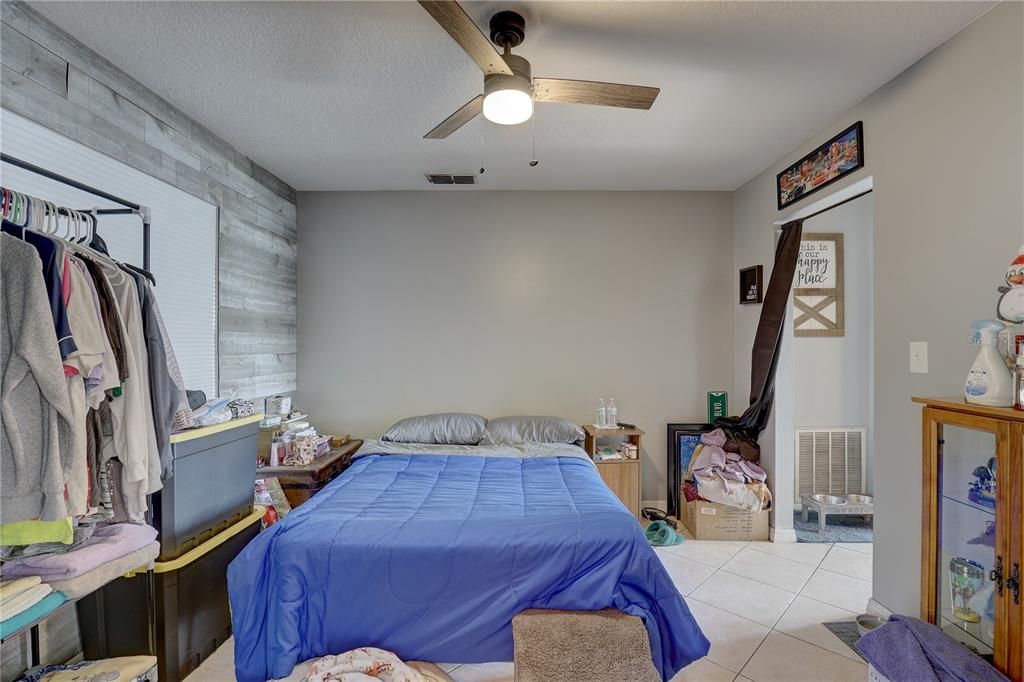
(718, 405)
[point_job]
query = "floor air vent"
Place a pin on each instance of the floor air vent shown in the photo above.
(449, 179)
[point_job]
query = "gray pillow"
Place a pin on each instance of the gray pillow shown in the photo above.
(450, 428)
(532, 430)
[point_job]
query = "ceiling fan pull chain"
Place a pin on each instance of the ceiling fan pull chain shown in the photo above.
(533, 131)
(482, 170)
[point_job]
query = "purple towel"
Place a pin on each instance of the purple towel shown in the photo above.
(909, 650)
(107, 543)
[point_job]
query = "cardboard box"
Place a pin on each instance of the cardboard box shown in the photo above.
(712, 521)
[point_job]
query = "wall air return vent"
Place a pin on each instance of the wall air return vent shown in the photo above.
(449, 179)
(829, 461)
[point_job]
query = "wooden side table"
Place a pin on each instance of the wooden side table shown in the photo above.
(300, 483)
(623, 476)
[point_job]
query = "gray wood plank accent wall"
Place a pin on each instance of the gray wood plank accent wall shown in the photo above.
(56, 81)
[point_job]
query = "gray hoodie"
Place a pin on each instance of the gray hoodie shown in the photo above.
(35, 412)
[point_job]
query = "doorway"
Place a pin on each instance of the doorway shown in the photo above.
(831, 331)
(818, 389)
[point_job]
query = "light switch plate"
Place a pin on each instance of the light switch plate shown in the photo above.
(919, 357)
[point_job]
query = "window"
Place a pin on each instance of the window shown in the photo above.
(183, 249)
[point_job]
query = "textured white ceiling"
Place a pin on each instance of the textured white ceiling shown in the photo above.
(338, 95)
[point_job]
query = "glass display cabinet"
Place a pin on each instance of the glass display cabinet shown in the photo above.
(973, 527)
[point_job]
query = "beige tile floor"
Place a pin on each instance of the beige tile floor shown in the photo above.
(761, 604)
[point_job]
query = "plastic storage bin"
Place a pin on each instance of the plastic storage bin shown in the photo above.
(179, 612)
(212, 485)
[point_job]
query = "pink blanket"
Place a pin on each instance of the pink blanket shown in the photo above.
(107, 543)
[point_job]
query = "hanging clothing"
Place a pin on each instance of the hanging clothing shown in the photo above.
(111, 316)
(37, 418)
(87, 361)
(51, 270)
(105, 376)
(167, 389)
(134, 436)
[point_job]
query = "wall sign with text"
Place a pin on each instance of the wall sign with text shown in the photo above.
(818, 286)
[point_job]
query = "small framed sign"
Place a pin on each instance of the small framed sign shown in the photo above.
(818, 296)
(751, 284)
(718, 405)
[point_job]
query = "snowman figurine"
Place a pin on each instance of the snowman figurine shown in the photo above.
(1011, 304)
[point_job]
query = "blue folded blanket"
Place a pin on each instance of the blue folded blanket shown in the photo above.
(48, 605)
(909, 650)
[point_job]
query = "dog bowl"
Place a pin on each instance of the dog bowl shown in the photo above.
(867, 622)
(860, 499)
(828, 499)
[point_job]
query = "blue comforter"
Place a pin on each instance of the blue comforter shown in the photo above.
(430, 556)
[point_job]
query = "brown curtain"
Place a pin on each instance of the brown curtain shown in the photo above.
(765, 355)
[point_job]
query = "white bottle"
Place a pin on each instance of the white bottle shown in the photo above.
(602, 414)
(612, 414)
(989, 382)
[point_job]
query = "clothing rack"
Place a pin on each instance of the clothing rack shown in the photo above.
(130, 208)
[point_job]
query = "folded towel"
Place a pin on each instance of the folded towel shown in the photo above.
(9, 588)
(660, 534)
(90, 581)
(24, 601)
(909, 650)
(48, 605)
(31, 532)
(106, 544)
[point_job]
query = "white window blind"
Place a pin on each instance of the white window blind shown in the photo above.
(183, 249)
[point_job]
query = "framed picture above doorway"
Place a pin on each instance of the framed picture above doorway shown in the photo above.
(838, 157)
(818, 297)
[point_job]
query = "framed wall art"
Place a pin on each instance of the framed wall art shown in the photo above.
(818, 298)
(838, 157)
(752, 284)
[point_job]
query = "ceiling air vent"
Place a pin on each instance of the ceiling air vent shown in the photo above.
(449, 179)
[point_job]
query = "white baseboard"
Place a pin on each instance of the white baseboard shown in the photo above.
(782, 534)
(657, 504)
(877, 609)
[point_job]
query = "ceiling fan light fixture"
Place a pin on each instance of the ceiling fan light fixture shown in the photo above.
(508, 107)
(508, 100)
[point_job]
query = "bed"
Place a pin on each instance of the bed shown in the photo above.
(429, 551)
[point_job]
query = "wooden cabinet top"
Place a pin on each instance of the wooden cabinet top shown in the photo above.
(595, 432)
(964, 407)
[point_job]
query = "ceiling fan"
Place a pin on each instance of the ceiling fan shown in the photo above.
(509, 87)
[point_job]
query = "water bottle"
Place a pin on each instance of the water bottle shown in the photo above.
(602, 414)
(612, 414)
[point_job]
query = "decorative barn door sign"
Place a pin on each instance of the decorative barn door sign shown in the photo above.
(818, 286)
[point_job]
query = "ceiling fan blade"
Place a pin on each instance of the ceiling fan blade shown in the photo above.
(463, 115)
(465, 32)
(594, 92)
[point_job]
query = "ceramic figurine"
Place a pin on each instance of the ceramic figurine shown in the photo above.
(1011, 304)
(983, 487)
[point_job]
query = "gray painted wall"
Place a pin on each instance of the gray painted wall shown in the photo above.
(56, 81)
(832, 374)
(514, 303)
(945, 148)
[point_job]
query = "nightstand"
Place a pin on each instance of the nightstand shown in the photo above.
(623, 476)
